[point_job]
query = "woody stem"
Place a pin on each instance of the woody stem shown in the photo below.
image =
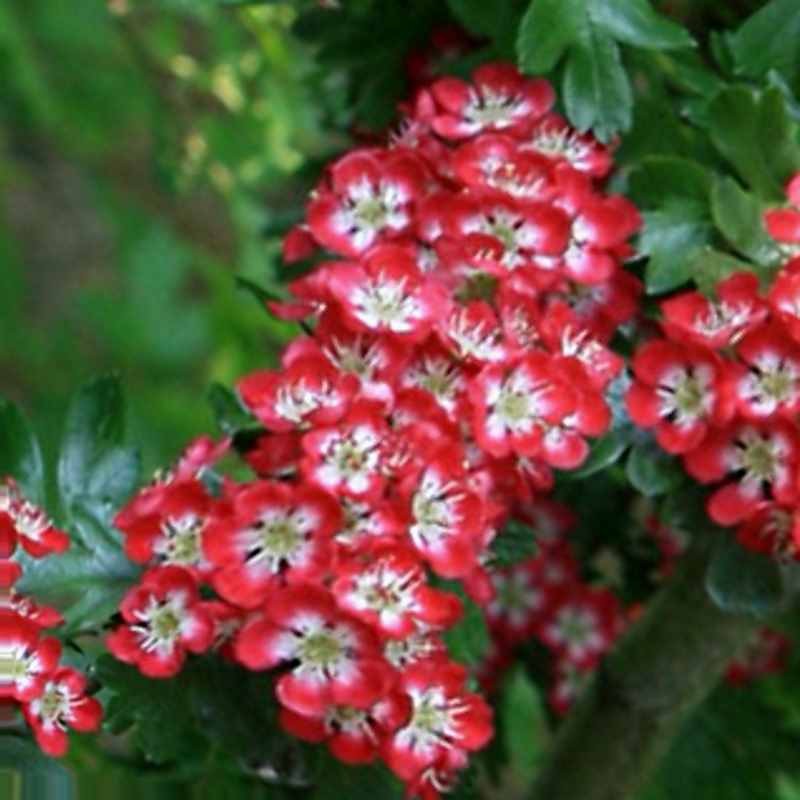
(663, 668)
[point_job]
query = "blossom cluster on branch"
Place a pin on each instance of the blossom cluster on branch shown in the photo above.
(456, 350)
(721, 388)
(52, 696)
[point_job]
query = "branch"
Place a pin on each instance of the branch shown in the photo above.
(662, 669)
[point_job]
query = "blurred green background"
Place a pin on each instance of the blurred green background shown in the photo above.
(149, 153)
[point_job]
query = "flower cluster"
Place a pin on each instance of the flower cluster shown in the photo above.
(51, 696)
(722, 390)
(545, 599)
(455, 352)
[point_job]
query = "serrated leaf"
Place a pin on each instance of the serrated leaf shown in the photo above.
(671, 237)
(738, 215)
(651, 471)
(769, 39)
(750, 132)
(636, 23)
(655, 178)
(88, 581)
(159, 711)
(20, 455)
(547, 29)
(596, 91)
(95, 469)
(741, 581)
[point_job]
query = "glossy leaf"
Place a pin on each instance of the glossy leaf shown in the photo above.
(739, 580)
(20, 455)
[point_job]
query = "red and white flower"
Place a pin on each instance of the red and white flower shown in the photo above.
(310, 391)
(336, 659)
(388, 589)
(369, 197)
(164, 619)
(25, 657)
(757, 461)
(498, 99)
(353, 735)
(446, 721)
(275, 533)
(62, 704)
(681, 391)
(346, 458)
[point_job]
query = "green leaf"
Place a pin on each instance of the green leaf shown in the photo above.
(716, 755)
(605, 451)
(738, 216)
(229, 414)
(478, 16)
(467, 641)
(20, 455)
(88, 581)
(261, 295)
(524, 725)
(516, 542)
(757, 136)
(608, 449)
(739, 580)
(95, 469)
(769, 39)
(671, 237)
(710, 266)
(337, 781)
(634, 22)
(596, 91)
(651, 471)
(548, 28)
(655, 178)
(159, 711)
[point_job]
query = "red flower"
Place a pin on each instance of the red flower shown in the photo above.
(767, 383)
(387, 294)
(693, 318)
(583, 625)
(520, 601)
(515, 403)
(26, 658)
(388, 590)
(62, 703)
(499, 99)
(553, 138)
(353, 735)
(369, 196)
(346, 458)
(445, 723)
(445, 517)
(310, 391)
(25, 523)
(681, 391)
(172, 533)
(758, 461)
(275, 533)
(337, 659)
(164, 619)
